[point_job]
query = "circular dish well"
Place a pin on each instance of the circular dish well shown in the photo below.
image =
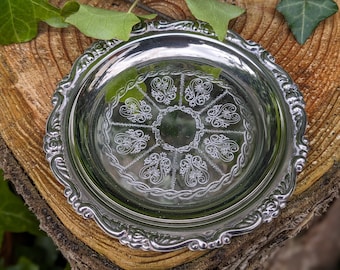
(174, 139)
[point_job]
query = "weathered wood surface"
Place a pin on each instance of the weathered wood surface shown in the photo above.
(28, 76)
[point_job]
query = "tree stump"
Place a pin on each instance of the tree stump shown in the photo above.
(29, 73)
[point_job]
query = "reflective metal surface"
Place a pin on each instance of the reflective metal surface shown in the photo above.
(174, 139)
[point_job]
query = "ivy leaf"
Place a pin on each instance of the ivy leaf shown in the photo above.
(69, 8)
(43, 11)
(19, 19)
(17, 22)
(216, 13)
(14, 214)
(303, 16)
(102, 23)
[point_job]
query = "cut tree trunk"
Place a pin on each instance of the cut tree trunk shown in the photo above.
(29, 73)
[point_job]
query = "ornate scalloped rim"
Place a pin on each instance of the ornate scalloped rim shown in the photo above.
(132, 236)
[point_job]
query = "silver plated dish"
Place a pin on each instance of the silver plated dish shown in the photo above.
(174, 139)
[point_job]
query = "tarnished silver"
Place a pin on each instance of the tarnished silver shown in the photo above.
(174, 139)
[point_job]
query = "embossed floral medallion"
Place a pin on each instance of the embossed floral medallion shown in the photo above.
(186, 136)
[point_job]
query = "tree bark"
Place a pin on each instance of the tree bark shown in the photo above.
(29, 73)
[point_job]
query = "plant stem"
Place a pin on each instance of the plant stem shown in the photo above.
(134, 4)
(151, 10)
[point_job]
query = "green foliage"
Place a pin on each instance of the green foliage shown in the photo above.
(23, 264)
(14, 215)
(120, 82)
(216, 13)
(34, 253)
(19, 19)
(303, 16)
(31, 248)
(215, 72)
(45, 12)
(101, 23)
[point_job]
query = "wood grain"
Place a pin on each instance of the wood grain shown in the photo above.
(29, 73)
